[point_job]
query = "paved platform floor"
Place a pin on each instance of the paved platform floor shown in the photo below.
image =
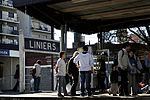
(53, 95)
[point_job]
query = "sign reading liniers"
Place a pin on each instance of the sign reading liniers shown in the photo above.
(42, 45)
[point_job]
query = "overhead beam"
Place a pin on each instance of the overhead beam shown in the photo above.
(96, 5)
(117, 13)
(21, 3)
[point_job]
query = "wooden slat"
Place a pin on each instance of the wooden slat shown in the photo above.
(116, 13)
(96, 5)
(127, 15)
(110, 9)
(69, 4)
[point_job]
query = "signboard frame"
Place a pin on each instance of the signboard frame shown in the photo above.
(44, 49)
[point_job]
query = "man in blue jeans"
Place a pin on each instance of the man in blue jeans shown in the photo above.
(86, 67)
(37, 76)
(61, 73)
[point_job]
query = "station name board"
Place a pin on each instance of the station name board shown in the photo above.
(42, 45)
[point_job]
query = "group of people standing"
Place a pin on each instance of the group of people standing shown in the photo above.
(128, 69)
(80, 62)
(124, 69)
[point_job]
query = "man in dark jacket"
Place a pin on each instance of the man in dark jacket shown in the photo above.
(74, 72)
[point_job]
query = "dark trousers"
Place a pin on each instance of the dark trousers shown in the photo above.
(85, 76)
(36, 83)
(16, 85)
(74, 84)
(124, 83)
(101, 84)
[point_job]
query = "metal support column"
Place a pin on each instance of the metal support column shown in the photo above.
(52, 37)
(63, 37)
(21, 61)
(101, 40)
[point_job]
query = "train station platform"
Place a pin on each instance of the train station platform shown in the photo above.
(53, 96)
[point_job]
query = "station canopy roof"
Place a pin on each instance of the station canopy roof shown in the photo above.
(88, 16)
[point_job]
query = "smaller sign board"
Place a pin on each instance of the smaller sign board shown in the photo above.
(4, 52)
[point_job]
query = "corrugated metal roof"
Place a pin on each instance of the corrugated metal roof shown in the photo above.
(89, 16)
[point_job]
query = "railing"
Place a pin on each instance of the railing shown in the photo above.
(40, 29)
(8, 18)
(6, 31)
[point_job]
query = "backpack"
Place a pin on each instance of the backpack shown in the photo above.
(33, 71)
(116, 58)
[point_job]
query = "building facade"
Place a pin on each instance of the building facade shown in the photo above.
(9, 53)
(11, 21)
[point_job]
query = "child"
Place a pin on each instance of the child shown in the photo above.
(114, 80)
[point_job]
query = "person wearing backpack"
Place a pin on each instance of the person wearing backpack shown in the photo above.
(37, 75)
(123, 63)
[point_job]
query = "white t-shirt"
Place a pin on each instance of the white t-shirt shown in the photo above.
(61, 67)
(85, 61)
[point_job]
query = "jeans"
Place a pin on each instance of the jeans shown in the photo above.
(62, 83)
(132, 83)
(36, 83)
(75, 83)
(85, 76)
(114, 88)
(101, 84)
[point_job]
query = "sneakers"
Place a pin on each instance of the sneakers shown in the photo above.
(60, 95)
(82, 94)
(114, 94)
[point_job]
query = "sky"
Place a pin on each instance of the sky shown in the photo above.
(70, 38)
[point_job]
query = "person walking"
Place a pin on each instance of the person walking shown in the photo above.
(61, 74)
(16, 76)
(123, 63)
(114, 80)
(132, 75)
(86, 67)
(73, 71)
(37, 75)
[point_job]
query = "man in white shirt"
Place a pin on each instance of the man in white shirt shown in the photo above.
(61, 73)
(86, 67)
(123, 63)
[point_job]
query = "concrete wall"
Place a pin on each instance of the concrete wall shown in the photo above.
(25, 23)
